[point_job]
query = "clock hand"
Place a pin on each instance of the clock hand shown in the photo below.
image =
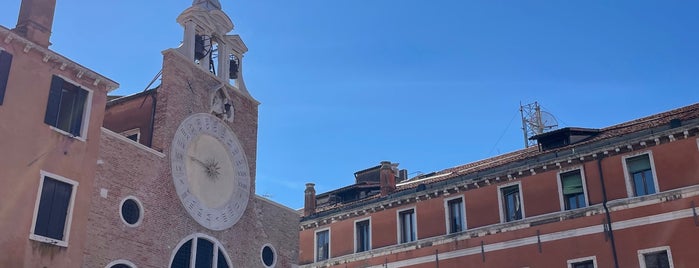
(201, 163)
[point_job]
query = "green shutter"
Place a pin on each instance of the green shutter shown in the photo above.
(572, 182)
(638, 163)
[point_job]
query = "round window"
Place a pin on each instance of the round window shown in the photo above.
(131, 211)
(268, 255)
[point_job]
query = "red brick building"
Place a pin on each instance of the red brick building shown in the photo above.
(621, 196)
(162, 178)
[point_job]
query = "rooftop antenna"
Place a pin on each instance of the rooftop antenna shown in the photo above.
(535, 122)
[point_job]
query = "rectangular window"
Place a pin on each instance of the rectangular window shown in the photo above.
(322, 245)
(586, 262)
(640, 175)
(655, 258)
(66, 106)
(53, 211)
(511, 203)
(583, 264)
(406, 222)
(363, 238)
(572, 190)
(455, 215)
(5, 64)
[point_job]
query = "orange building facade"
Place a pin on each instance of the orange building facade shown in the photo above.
(621, 196)
(162, 178)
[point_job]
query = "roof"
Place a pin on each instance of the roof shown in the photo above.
(518, 158)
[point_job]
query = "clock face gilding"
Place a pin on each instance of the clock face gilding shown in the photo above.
(210, 171)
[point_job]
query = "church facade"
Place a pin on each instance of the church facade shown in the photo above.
(162, 178)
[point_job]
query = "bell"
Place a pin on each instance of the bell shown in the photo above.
(233, 71)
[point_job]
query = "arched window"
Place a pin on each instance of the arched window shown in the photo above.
(200, 250)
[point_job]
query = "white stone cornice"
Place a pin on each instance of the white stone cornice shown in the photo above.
(51, 57)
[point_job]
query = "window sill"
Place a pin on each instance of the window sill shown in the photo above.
(47, 240)
(64, 133)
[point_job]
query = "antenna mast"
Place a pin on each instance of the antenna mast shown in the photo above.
(535, 122)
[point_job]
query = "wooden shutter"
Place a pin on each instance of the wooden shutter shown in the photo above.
(53, 208)
(54, 102)
(79, 109)
(5, 63)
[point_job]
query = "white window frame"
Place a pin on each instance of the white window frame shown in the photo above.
(446, 212)
(642, 260)
(86, 112)
(125, 262)
(560, 186)
(627, 177)
(355, 234)
(399, 222)
(315, 244)
(69, 213)
(500, 204)
(140, 208)
(274, 251)
(574, 261)
(130, 132)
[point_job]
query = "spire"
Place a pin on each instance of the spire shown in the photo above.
(207, 4)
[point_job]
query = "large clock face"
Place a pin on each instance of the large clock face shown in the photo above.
(210, 171)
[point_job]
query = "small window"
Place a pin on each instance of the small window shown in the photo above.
(511, 203)
(133, 134)
(5, 64)
(455, 215)
(322, 245)
(640, 175)
(655, 258)
(131, 211)
(205, 251)
(66, 106)
(583, 264)
(406, 222)
(363, 235)
(572, 190)
(587, 262)
(53, 210)
(268, 255)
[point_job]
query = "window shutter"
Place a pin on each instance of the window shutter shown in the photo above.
(572, 182)
(54, 101)
(5, 63)
(78, 112)
(59, 210)
(43, 216)
(638, 163)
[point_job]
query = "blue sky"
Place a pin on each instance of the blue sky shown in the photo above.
(430, 85)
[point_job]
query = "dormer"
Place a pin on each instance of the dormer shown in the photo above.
(564, 137)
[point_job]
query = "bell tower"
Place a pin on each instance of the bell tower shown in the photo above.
(208, 45)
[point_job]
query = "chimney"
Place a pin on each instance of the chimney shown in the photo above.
(309, 205)
(35, 21)
(387, 178)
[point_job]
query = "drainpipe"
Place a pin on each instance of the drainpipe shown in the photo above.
(606, 211)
